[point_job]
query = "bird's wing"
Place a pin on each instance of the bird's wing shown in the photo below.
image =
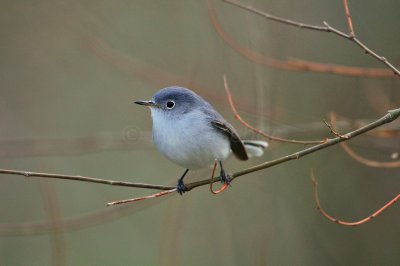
(235, 141)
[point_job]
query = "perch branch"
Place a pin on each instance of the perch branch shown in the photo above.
(389, 117)
(85, 179)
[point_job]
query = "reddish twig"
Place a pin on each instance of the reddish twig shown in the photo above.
(325, 28)
(258, 131)
(156, 195)
(341, 222)
(224, 186)
(348, 16)
(334, 132)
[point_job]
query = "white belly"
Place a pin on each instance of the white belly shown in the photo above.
(189, 141)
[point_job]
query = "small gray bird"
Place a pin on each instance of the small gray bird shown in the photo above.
(190, 133)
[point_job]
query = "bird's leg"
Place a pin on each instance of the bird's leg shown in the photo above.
(180, 187)
(223, 176)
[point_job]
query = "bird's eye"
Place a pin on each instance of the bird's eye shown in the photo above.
(170, 104)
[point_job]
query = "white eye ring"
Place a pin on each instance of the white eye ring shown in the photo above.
(170, 104)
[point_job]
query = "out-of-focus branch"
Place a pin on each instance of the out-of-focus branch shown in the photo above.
(325, 28)
(55, 220)
(294, 64)
(368, 162)
(109, 141)
(86, 220)
(357, 157)
(335, 220)
(129, 138)
(258, 131)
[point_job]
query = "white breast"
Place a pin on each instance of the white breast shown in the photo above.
(188, 141)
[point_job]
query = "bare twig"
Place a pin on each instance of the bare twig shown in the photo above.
(348, 16)
(276, 18)
(335, 220)
(334, 132)
(325, 28)
(85, 179)
(156, 195)
(294, 64)
(258, 131)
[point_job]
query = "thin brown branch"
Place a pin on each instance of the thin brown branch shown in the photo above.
(85, 179)
(325, 28)
(334, 132)
(293, 64)
(348, 16)
(276, 18)
(341, 222)
(258, 131)
(156, 195)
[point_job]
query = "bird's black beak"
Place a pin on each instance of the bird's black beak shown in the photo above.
(147, 103)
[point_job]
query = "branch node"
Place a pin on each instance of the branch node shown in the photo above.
(334, 132)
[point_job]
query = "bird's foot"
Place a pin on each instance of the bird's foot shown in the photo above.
(225, 178)
(180, 187)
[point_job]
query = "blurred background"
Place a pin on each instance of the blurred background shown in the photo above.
(70, 71)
